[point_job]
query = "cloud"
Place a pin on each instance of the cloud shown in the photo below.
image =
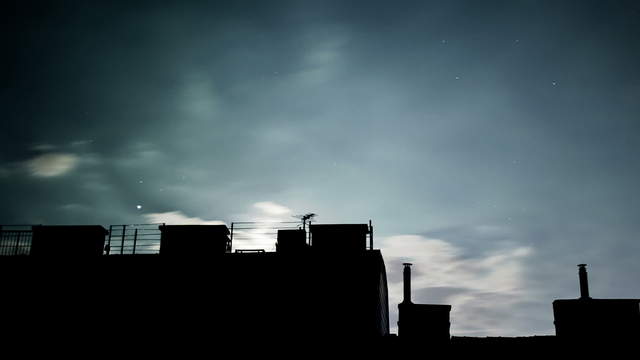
(272, 208)
(52, 164)
(485, 289)
(43, 147)
(255, 237)
(200, 101)
(81, 143)
(74, 207)
(322, 62)
(139, 154)
(4, 172)
(178, 218)
(260, 235)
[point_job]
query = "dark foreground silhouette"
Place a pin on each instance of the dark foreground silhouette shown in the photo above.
(75, 284)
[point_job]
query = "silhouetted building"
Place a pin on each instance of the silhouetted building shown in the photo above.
(183, 283)
(428, 324)
(195, 286)
(596, 320)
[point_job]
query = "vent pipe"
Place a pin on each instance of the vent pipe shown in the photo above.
(584, 281)
(406, 274)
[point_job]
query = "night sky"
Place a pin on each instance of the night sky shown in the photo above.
(494, 144)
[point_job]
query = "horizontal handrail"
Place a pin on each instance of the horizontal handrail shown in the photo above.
(145, 238)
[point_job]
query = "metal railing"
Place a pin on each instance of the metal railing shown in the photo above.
(15, 240)
(265, 233)
(259, 235)
(133, 239)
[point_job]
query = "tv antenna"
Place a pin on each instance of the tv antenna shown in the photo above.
(306, 217)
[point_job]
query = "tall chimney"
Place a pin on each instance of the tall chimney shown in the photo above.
(584, 282)
(406, 274)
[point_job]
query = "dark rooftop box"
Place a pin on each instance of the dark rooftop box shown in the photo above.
(292, 241)
(61, 240)
(583, 319)
(424, 322)
(194, 240)
(339, 238)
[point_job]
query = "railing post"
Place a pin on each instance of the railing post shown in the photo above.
(108, 247)
(370, 235)
(135, 240)
(16, 249)
(122, 242)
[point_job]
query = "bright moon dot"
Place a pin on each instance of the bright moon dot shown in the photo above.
(139, 207)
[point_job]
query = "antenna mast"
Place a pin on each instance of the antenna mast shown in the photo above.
(306, 217)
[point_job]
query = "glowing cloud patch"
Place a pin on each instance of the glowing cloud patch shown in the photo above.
(484, 289)
(178, 218)
(52, 164)
(271, 208)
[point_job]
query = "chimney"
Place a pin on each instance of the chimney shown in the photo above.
(406, 273)
(584, 282)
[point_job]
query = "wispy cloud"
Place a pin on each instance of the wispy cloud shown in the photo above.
(43, 147)
(52, 164)
(245, 236)
(271, 208)
(484, 289)
(263, 235)
(178, 218)
(199, 98)
(4, 172)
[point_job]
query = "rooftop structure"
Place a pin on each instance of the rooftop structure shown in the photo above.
(424, 323)
(596, 320)
(323, 281)
(158, 278)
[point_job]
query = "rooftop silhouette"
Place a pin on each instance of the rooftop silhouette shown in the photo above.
(322, 282)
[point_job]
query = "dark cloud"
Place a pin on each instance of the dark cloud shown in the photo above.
(491, 125)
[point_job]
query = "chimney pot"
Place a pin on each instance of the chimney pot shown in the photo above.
(584, 281)
(406, 274)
